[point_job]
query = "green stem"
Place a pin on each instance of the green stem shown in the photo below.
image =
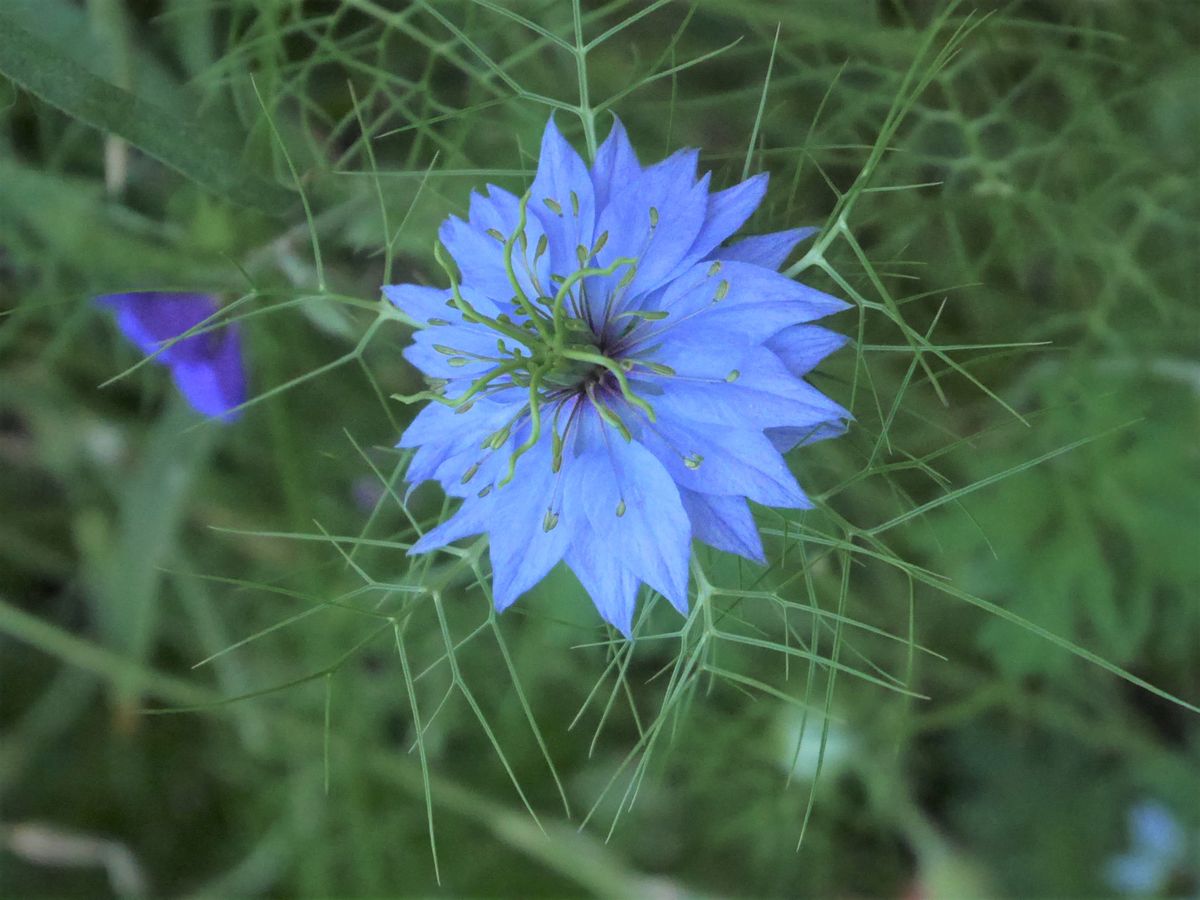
(522, 300)
(627, 392)
(535, 421)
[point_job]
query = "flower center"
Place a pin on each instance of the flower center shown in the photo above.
(551, 349)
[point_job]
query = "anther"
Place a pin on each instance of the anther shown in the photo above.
(600, 242)
(722, 290)
(574, 203)
(555, 206)
(542, 244)
(714, 268)
(620, 509)
(732, 376)
(549, 520)
(470, 473)
(653, 217)
(492, 232)
(438, 322)
(693, 460)
(556, 451)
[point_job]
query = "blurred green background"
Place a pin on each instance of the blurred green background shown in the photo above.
(1022, 249)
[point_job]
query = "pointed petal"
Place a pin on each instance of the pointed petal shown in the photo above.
(763, 395)
(478, 249)
(633, 506)
(723, 461)
(802, 347)
(727, 211)
(616, 165)
(453, 352)
(561, 198)
(612, 587)
(426, 305)
(786, 439)
(216, 385)
(470, 519)
(654, 219)
(724, 522)
(522, 549)
(767, 250)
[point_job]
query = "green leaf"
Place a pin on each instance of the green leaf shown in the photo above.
(205, 154)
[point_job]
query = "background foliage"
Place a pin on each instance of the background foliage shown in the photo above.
(1009, 195)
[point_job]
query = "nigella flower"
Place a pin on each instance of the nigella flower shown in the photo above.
(608, 381)
(207, 367)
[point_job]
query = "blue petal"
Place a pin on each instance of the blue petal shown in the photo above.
(216, 386)
(612, 587)
(724, 522)
(699, 291)
(633, 506)
(802, 347)
(764, 395)
(500, 211)
(474, 344)
(471, 519)
(666, 193)
(522, 549)
(727, 211)
(616, 164)
(767, 250)
(570, 217)
(480, 255)
(425, 305)
(731, 461)
(787, 439)
(444, 436)
(151, 318)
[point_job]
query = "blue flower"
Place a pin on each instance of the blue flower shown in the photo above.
(207, 367)
(609, 381)
(1159, 847)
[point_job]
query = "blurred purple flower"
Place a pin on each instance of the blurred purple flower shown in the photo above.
(207, 367)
